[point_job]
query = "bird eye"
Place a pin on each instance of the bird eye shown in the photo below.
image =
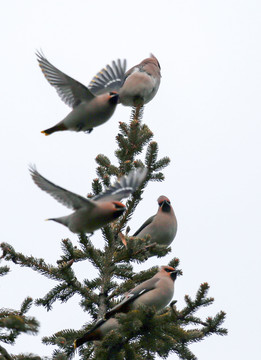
(168, 270)
(113, 93)
(166, 201)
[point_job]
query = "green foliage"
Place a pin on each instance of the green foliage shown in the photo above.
(15, 322)
(142, 334)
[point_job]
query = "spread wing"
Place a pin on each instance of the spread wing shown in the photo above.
(139, 290)
(109, 78)
(122, 188)
(71, 91)
(147, 222)
(67, 198)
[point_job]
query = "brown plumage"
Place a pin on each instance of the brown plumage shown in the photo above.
(162, 227)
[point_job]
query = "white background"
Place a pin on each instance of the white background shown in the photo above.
(206, 117)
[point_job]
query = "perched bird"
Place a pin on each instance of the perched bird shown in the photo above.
(89, 110)
(92, 214)
(140, 83)
(157, 291)
(162, 227)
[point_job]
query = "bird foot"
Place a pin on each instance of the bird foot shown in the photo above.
(88, 131)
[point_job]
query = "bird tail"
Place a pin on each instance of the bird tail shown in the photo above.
(61, 220)
(93, 334)
(58, 127)
(89, 336)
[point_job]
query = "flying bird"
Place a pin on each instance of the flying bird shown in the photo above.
(157, 291)
(162, 227)
(89, 110)
(140, 83)
(92, 214)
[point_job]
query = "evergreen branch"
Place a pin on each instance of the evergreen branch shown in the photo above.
(18, 324)
(27, 357)
(139, 250)
(213, 325)
(14, 323)
(4, 270)
(29, 261)
(26, 305)
(60, 355)
(200, 300)
(5, 355)
(64, 291)
(92, 254)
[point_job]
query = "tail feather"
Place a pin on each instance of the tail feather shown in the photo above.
(89, 336)
(58, 127)
(61, 220)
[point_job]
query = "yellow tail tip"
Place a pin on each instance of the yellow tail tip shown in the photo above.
(43, 132)
(74, 344)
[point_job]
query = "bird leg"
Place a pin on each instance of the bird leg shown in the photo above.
(88, 131)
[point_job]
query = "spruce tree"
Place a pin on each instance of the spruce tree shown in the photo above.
(143, 334)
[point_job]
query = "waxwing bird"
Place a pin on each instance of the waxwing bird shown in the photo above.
(140, 83)
(89, 110)
(162, 227)
(157, 291)
(92, 214)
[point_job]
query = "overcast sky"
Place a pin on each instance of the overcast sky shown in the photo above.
(205, 117)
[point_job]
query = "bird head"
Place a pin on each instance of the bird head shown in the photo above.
(113, 98)
(155, 60)
(119, 209)
(164, 203)
(169, 271)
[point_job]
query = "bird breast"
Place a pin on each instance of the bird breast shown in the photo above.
(138, 84)
(90, 114)
(158, 297)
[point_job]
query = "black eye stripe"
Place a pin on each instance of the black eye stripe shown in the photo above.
(160, 203)
(118, 206)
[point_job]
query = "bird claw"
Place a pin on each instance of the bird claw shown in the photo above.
(88, 131)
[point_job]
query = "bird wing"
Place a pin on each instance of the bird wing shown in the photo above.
(67, 198)
(139, 290)
(122, 188)
(146, 223)
(109, 78)
(71, 91)
(129, 72)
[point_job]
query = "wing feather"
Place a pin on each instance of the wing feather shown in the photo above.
(145, 224)
(65, 197)
(122, 188)
(70, 91)
(109, 78)
(139, 290)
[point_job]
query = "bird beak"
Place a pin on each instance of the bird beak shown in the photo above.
(114, 97)
(174, 274)
(119, 209)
